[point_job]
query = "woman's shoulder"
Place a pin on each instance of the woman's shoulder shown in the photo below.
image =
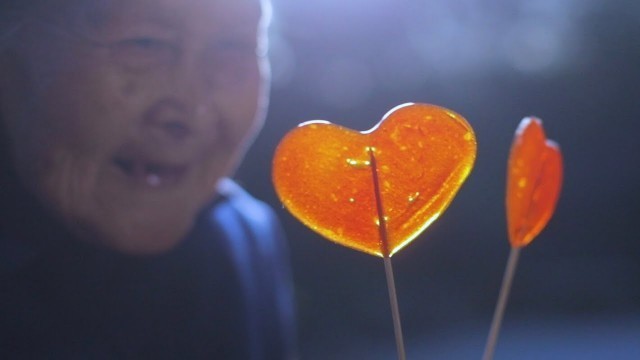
(254, 211)
(258, 248)
(250, 224)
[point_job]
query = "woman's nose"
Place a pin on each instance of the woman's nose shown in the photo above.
(181, 108)
(170, 119)
(191, 75)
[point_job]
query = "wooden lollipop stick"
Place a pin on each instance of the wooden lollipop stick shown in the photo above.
(395, 312)
(507, 280)
(388, 269)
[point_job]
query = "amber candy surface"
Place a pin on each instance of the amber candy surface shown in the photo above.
(534, 180)
(416, 157)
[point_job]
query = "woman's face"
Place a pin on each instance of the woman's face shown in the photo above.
(123, 117)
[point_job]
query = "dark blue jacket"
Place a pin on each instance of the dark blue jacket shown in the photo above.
(223, 293)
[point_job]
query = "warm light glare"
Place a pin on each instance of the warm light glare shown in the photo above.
(349, 50)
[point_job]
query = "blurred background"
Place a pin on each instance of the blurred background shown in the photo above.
(573, 63)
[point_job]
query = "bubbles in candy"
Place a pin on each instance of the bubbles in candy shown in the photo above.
(411, 164)
(533, 182)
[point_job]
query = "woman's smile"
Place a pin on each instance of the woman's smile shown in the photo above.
(151, 173)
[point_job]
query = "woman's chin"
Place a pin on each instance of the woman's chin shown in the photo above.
(141, 245)
(138, 240)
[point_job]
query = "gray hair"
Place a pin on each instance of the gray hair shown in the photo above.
(14, 12)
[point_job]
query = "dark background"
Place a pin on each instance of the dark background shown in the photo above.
(576, 65)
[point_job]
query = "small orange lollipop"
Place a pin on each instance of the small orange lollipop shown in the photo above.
(534, 178)
(375, 191)
(533, 182)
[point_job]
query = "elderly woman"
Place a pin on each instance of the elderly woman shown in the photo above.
(120, 235)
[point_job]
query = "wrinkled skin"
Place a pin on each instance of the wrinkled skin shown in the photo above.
(122, 118)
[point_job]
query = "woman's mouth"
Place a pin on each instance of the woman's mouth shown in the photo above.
(151, 173)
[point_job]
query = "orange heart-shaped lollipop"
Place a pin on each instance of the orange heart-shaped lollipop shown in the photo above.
(399, 176)
(533, 182)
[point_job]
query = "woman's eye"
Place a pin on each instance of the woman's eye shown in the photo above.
(142, 52)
